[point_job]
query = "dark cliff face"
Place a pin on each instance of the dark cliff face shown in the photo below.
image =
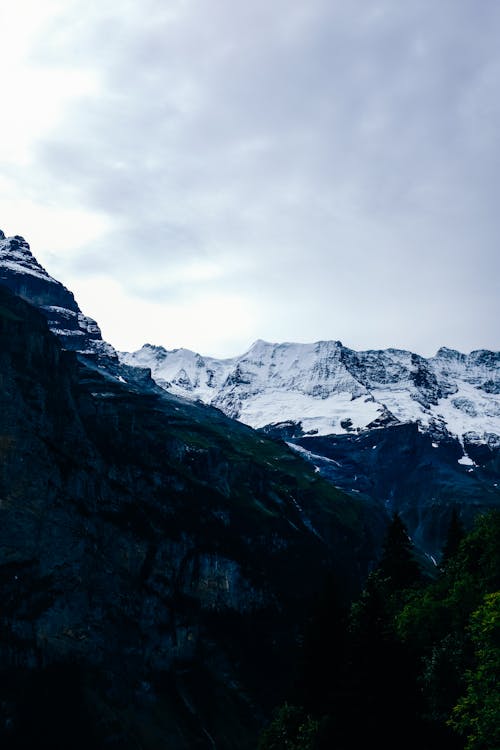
(156, 558)
(25, 277)
(21, 272)
(404, 470)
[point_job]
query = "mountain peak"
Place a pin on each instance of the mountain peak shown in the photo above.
(445, 353)
(16, 242)
(260, 344)
(154, 348)
(328, 345)
(16, 257)
(330, 389)
(22, 274)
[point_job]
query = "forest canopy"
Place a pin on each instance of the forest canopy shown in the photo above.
(413, 662)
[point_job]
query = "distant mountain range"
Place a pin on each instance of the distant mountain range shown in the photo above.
(413, 434)
(326, 388)
(418, 436)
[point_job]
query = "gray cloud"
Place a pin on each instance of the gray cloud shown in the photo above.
(346, 154)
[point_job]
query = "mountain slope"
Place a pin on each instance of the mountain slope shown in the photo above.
(156, 557)
(437, 419)
(418, 436)
(23, 275)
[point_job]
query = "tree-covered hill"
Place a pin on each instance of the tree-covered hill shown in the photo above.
(413, 662)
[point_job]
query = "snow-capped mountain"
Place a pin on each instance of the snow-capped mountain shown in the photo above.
(23, 275)
(326, 388)
(403, 432)
(413, 435)
(323, 388)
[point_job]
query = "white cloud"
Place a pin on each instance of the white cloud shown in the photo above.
(51, 230)
(333, 166)
(219, 322)
(34, 97)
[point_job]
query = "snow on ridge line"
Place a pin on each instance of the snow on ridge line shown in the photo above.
(26, 269)
(324, 385)
(76, 330)
(331, 389)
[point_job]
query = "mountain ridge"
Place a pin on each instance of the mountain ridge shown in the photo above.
(331, 389)
(26, 277)
(322, 387)
(391, 428)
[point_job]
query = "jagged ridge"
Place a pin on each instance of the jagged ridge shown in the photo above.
(23, 275)
(327, 388)
(326, 401)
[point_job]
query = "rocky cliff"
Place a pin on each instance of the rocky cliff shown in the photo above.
(22, 274)
(156, 557)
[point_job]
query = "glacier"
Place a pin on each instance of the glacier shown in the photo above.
(326, 388)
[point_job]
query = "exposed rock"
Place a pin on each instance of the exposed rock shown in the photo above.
(156, 558)
(389, 426)
(23, 275)
(325, 386)
(404, 469)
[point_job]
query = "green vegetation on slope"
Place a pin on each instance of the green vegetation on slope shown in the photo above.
(413, 662)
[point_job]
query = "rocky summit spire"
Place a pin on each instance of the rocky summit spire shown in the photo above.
(22, 274)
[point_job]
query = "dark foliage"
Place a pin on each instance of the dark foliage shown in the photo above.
(456, 532)
(398, 563)
(47, 708)
(414, 663)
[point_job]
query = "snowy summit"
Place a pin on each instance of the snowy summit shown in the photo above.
(327, 388)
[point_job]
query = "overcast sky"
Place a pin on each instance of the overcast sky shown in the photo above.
(202, 173)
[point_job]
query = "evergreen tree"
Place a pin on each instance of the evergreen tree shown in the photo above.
(321, 668)
(477, 714)
(290, 729)
(416, 664)
(456, 533)
(398, 562)
(381, 669)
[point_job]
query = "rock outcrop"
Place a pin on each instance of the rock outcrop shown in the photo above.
(23, 275)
